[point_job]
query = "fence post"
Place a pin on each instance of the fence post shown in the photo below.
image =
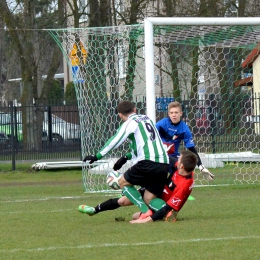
(12, 135)
(49, 118)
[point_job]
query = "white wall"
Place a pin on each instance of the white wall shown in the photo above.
(256, 83)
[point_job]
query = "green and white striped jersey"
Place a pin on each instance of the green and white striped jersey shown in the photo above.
(145, 142)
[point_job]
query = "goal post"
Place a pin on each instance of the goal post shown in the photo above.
(149, 24)
(209, 65)
(241, 35)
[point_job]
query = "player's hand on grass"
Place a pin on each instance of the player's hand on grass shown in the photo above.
(206, 173)
(90, 158)
(120, 162)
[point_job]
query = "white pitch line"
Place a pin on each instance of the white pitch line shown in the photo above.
(39, 211)
(192, 240)
(52, 198)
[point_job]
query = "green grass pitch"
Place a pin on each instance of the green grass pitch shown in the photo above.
(40, 220)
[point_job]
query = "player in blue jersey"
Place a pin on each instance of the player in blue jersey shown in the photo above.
(149, 158)
(173, 131)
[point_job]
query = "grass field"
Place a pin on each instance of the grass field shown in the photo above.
(40, 220)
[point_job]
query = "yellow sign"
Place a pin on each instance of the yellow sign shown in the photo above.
(75, 59)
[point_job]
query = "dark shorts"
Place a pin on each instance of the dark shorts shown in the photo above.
(148, 174)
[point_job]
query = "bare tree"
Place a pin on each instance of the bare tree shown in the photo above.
(24, 22)
(2, 77)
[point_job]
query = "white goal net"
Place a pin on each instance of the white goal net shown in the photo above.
(212, 70)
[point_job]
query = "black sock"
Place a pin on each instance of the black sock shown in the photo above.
(107, 205)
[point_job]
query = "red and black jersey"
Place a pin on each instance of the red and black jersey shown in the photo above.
(178, 187)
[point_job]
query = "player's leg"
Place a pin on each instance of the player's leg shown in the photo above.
(133, 195)
(147, 174)
(124, 201)
(156, 204)
(109, 204)
(133, 176)
(148, 196)
(154, 187)
(136, 215)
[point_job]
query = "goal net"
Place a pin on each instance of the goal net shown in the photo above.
(212, 70)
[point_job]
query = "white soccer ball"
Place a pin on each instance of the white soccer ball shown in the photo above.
(112, 180)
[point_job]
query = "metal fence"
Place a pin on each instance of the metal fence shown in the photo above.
(39, 133)
(53, 132)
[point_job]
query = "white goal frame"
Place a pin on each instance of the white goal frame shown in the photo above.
(149, 22)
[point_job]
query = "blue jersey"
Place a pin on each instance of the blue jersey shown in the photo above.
(173, 134)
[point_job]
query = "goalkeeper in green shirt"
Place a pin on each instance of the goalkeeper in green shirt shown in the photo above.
(149, 158)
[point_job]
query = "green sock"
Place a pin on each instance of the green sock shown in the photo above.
(156, 204)
(135, 197)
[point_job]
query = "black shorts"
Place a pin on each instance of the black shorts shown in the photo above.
(148, 174)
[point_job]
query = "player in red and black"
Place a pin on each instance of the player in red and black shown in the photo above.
(175, 194)
(176, 191)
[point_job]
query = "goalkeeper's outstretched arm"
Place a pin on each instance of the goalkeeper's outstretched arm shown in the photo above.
(206, 173)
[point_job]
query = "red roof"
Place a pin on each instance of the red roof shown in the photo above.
(248, 62)
(244, 82)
